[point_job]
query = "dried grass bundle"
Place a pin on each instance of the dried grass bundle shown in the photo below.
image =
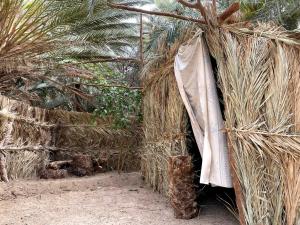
(23, 127)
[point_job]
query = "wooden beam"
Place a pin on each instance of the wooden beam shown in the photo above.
(166, 14)
(141, 42)
(56, 165)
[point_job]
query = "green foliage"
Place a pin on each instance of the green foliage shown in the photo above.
(122, 104)
(114, 100)
(164, 3)
(163, 32)
(285, 12)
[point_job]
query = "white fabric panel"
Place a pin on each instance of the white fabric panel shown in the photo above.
(197, 87)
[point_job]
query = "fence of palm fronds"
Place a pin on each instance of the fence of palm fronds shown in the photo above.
(32, 136)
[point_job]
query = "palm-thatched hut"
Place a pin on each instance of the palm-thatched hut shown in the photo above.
(259, 75)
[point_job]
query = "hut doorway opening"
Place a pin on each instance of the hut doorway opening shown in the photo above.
(206, 194)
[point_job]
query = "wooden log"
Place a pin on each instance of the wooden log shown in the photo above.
(53, 174)
(3, 171)
(82, 165)
(59, 164)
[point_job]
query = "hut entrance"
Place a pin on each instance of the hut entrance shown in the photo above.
(206, 194)
(196, 75)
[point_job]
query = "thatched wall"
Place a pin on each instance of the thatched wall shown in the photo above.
(31, 136)
(165, 120)
(23, 131)
(83, 133)
(260, 79)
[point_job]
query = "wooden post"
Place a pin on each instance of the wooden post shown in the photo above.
(3, 171)
(141, 41)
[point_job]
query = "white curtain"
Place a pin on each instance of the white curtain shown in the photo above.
(197, 87)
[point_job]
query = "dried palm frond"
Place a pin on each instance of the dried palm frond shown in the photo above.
(259, 78)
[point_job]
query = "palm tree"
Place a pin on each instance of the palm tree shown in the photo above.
(163, 32)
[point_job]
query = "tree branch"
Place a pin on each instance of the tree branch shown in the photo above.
(166, 14)
(233, 8)
(188, 4)
(111, 86)
(112, 59)
(197, 5)
(214, 3)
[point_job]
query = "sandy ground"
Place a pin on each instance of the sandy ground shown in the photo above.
(105, 199)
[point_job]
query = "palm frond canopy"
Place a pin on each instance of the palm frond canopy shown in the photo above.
(24, 29)
(93, 30)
